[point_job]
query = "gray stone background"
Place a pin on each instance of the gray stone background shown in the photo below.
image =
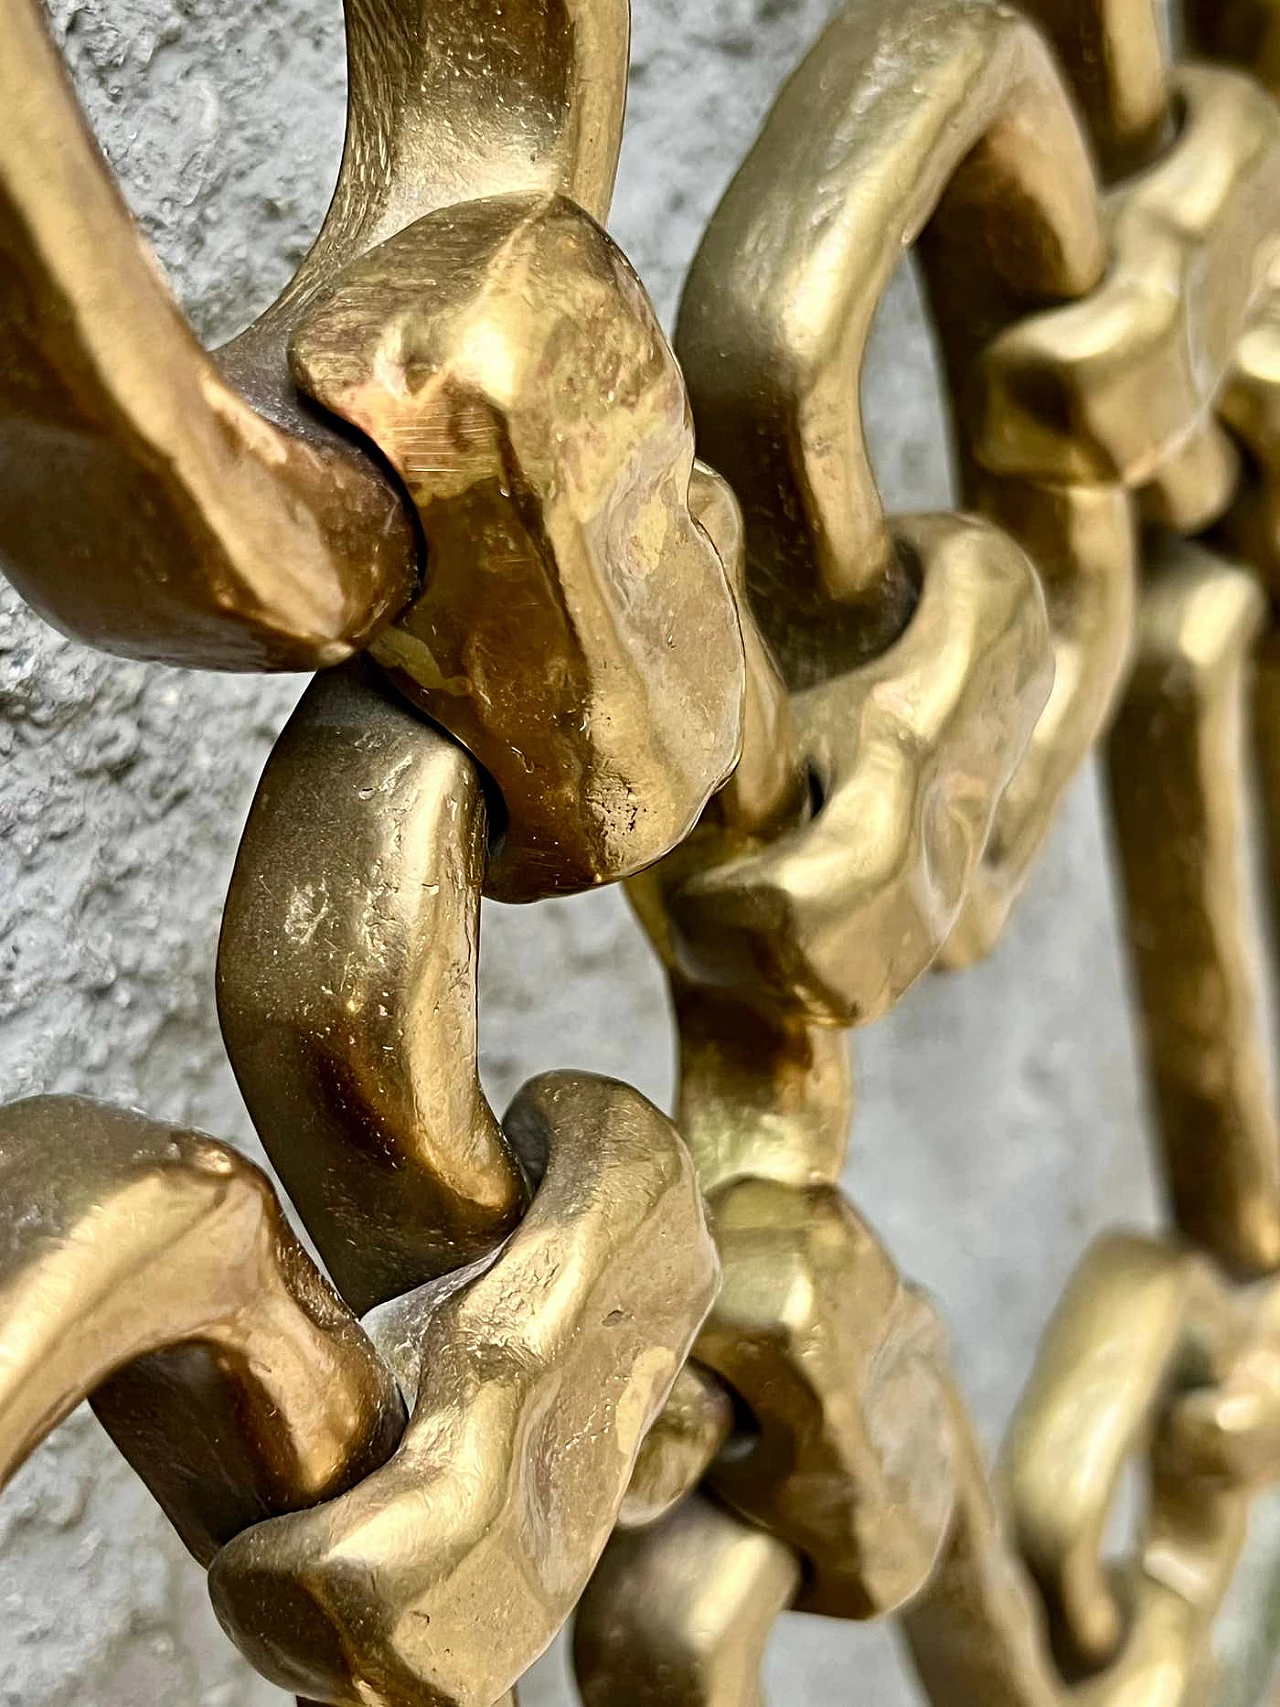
(1000, 1120)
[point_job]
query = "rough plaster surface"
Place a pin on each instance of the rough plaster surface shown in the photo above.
(1000, 1117)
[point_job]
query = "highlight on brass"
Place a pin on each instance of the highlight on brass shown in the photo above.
(661, 1380)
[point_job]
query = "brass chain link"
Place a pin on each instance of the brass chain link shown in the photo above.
(665, 1373)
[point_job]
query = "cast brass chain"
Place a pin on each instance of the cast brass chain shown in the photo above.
(662, 1373)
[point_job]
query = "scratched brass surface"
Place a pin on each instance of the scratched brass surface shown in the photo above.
(824, 744)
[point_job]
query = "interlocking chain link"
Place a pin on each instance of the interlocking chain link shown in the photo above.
(666, 1373)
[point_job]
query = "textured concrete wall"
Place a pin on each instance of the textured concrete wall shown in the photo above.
(999, 1122)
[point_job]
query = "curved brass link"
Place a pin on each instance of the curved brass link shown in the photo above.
(694, 1424)
(1232, 1430)
(963, 135)
(678, 1615)
(841, 1369)
(1108, 388)
(763, 1094)
(1083, 542)
(534, 1377)
(576, 632)
(1114, 53)
(1138, 1320)
(144, 504)
(153, 1270)
(347, 990)
(1180, 783)
(1250, 406)
(244, 532)
(825, 745)
(909, 755)
(1175, 1589)
(895, 110)
(974, 1630)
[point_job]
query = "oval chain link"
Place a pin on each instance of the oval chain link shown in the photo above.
(664, 1373)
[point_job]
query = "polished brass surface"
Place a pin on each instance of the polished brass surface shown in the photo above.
(895, 111)
(964, 136)
(908, 755)
(825, 745)
(144, 503)
(347, 990)
(678, 1615)
(849, 1455)
(1110, 387)
(1083, 542)
(533, 1378)
(152, 1270)
(1136, 1321)
(243, 530)
(974, 1631)
(1180, 767)
(694, 1424)
(1113, 51)
(1250, 405)
(506, 360)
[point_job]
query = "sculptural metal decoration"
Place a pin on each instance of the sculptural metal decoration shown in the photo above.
(664, 1374)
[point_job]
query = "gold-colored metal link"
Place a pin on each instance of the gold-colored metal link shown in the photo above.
(898, 115)
(1180, 766)
(678, 1450)
(505, 359)
(678, 1615)
(533, 1377)
(825, 745)
(1113, 51)
(347, 990)
(1112, 386)
(849, 1455)
(153, 1270)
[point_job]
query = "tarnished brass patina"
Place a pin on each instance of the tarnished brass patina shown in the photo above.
(152, 1270)
(533, 1378)
(825, 746)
